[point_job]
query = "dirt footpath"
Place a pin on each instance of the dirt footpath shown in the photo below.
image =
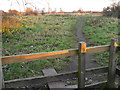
(90, 63)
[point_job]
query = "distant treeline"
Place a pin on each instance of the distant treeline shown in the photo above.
(28, 11)
(113, 10)
(32, 12)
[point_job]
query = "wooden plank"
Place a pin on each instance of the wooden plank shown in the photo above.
(38, 56)
(96, 49)
(112, 65)
(97, 70)
(54, 85)
(49, 72)
(37, 80)
(33, 81)
(72, 86)
(51, 85)
(51, 55)
(81, 64)
(95, 85)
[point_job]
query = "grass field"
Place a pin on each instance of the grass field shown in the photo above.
(99, 31)
(36, 34)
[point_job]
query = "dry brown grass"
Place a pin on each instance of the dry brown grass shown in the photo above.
(10, 24)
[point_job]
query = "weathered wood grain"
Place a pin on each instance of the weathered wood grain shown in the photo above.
(81, 64)
(96, 49)
(53, 85)
(112, 65)
(51, 55)
(38, 56)
(95, 85)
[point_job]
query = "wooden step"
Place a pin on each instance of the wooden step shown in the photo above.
(95, 85)
(60, 84)
(52, 85)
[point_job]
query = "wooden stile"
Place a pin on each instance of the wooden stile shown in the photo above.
(81, 52)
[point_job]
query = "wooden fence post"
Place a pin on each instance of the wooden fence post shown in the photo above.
(81, 64)
(112, 64)
(1, 77)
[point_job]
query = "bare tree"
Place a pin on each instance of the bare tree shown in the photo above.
(12, 2)
(48, 4)
(24, 3)
(112, 10)
(31, 4)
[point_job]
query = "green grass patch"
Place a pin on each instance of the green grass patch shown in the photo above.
(39, 34)
(100, 30)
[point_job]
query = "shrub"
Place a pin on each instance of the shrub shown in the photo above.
(10, 24)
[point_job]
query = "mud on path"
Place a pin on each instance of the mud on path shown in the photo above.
(90, 63)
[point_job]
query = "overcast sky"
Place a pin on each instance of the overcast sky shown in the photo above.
(65, 5)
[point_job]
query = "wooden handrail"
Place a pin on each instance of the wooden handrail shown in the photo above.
(51, 55)
(38, 56)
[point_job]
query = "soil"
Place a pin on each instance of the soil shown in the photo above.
(90, 63)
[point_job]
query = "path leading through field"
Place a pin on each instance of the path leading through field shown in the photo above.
(90, 63)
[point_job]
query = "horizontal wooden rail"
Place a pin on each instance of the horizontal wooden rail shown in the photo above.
(96, 49)
(95, 85)
(41, 80)
(38, 56)
(51, 55)
(36, 81)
